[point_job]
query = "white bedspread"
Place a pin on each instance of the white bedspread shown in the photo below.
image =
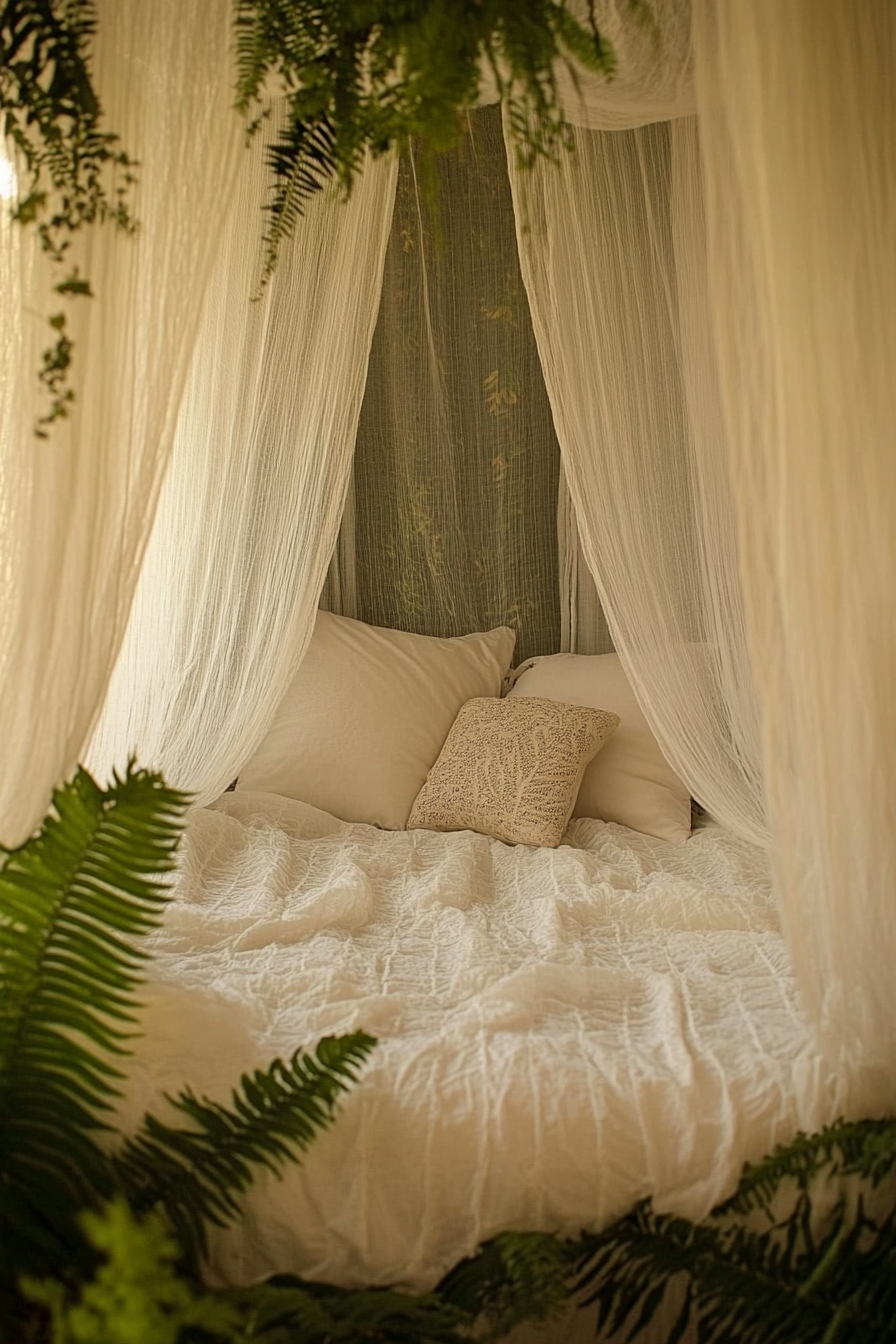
(561, 1032)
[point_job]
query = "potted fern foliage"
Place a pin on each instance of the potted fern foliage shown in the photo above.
(102, 1236)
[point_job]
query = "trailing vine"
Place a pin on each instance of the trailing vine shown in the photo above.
(71, 172)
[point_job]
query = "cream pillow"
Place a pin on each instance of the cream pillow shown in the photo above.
(630, 782)
(511, 769)
(367, 713)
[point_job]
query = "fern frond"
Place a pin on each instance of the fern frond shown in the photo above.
(862, 1146)
(788, 1283)
(72, 899)
(302, 161)
(286, 1309)
(136, 1292)
(361, 77)
(196, 1174)
(515, 1277)
(627, 1269)
(877, 1157)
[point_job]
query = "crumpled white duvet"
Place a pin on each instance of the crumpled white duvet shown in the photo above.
(561, 1032)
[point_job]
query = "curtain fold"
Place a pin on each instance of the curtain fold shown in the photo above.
(583, 625)
(798, 137)
(253, 498)
(76, 509)
(653, 77)
(605, 238)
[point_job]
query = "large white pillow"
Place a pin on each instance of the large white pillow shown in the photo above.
(629, 781)
(367, 714)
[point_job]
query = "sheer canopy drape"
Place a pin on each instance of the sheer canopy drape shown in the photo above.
(601, 236)
(798, 128)
(76, 508)
(254, 494)
(716, 314)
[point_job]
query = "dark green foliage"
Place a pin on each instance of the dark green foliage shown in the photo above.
(71, 900)
(367, 74)
(139, 1295)
(863, 1147)
(52, 115)
(769, 1266)
(197, 1174)
(286, 1310)
(516, 1277)
(74, 901)
(75, 171)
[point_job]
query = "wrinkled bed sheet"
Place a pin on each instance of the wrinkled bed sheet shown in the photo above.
(561, 1032)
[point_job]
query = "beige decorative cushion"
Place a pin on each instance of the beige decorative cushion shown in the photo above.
(367, 713)
(631, 782)
(511, 769)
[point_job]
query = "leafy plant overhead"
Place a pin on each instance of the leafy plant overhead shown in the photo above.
(74, 172)
(363, 75)
(357, 75)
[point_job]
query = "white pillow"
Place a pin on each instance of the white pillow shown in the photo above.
(367, 714)
(629, 781)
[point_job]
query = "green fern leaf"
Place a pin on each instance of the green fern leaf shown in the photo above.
(515, 1277)
(287, 1309)
(621, 1269)
(877, 1156)
(72, 899)
(196, 1174)
(360, 77)
(585, 44)
(863, 1146)
(302, 163)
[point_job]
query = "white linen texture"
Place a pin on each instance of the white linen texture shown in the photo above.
(561, 1032)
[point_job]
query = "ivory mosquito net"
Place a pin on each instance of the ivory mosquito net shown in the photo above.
(669, 368)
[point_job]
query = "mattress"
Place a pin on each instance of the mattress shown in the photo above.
(560, 1032)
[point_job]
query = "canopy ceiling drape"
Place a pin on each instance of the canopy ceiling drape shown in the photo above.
(604, 240)
(713, 303)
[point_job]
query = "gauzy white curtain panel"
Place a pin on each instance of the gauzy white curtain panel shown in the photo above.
(251, 506)
(76, 508)
(628, 369)
(798, 125)
(583, 625)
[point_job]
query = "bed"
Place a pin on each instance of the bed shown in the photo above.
(561, 1031)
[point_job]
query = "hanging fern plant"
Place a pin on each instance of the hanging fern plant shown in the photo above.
(72, 171)
(358, 76)
(364, 75)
